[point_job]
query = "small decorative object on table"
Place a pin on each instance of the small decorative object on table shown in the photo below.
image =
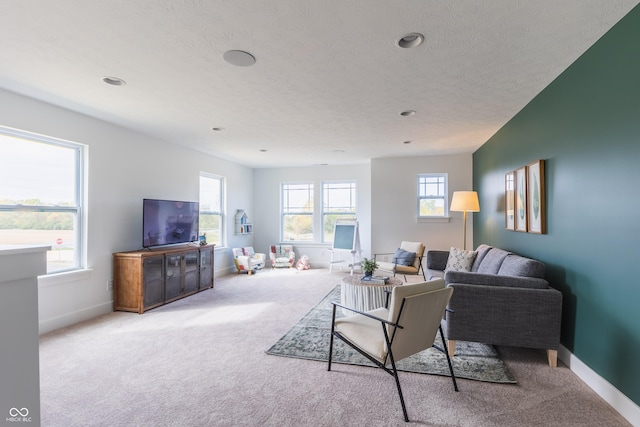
(369, 266)
(375, 280)
(203, 239)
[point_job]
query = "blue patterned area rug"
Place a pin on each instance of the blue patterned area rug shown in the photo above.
(309, 339)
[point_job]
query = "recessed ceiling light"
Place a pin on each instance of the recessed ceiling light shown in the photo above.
(114, 81)
(263, 150)
(411, 40)
(217, 129)
(408, 113)
(239, 58)
(320, 164)
(407, 142)
(338, 151)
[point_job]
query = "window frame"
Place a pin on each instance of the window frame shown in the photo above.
(309, 212)
(79, 208)
(221, 212)
(353, 187)
(444, 197)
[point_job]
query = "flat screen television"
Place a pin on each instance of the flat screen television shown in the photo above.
(169, 222)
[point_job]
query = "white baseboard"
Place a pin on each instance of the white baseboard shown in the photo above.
(69, 319)
(224, 272)
(621, 403)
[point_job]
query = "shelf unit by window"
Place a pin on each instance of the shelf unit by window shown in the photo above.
(242, 223)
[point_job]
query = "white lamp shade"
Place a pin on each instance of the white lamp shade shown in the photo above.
(465, 201)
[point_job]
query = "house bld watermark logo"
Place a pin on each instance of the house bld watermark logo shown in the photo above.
(18, 415)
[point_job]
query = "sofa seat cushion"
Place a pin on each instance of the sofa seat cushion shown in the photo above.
(433, 274)
(516, 265)
(479, 279)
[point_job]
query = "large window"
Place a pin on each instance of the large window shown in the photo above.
(432, 196)
(297, 212)
(338, 202)
(212, 208)
(41, 196)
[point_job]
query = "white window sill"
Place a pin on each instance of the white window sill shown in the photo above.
(306, 244)
(434, 219)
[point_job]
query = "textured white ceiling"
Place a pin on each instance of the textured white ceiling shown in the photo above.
(328, 84)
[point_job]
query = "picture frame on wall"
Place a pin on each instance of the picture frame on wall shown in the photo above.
(510, 201)
(521, 199)
(536, 215)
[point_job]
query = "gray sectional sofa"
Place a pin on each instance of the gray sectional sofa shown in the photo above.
(503, 300)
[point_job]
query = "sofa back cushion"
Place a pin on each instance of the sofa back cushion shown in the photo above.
(516, 265)
(482, 251)
(492, 261)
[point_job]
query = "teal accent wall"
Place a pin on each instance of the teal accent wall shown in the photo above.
(586, 126)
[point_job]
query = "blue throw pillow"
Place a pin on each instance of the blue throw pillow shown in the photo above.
(402, 257)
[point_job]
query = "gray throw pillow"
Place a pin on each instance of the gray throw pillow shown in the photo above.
(402, 257)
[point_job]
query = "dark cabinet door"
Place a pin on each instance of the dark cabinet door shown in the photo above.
(173, 276)
(190, 272)
(206, 268)
(153, 280)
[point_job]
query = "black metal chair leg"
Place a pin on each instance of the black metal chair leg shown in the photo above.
(333, 321)
(395, 375)
(446, 352)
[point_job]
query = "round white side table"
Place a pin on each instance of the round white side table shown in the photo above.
(364, 296)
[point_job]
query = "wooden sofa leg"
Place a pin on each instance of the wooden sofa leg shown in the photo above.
(552, 357)
(451, 346)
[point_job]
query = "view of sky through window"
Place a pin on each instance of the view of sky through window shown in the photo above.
(25, 165)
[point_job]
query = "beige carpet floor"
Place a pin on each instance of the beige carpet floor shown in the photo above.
(201, 361)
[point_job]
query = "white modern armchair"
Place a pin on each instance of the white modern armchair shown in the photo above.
(407, 259)
(387, 335)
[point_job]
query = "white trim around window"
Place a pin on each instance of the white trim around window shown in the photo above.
(432, 197)
(43, 196)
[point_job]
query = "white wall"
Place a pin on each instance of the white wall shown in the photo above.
(394, 202)
(266, 217)
(387, 203)
(123, 168)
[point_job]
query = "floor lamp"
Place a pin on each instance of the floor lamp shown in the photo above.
(465, 201)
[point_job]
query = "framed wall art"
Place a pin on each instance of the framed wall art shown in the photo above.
(535, 197)
(509, 200)
(521, 199)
